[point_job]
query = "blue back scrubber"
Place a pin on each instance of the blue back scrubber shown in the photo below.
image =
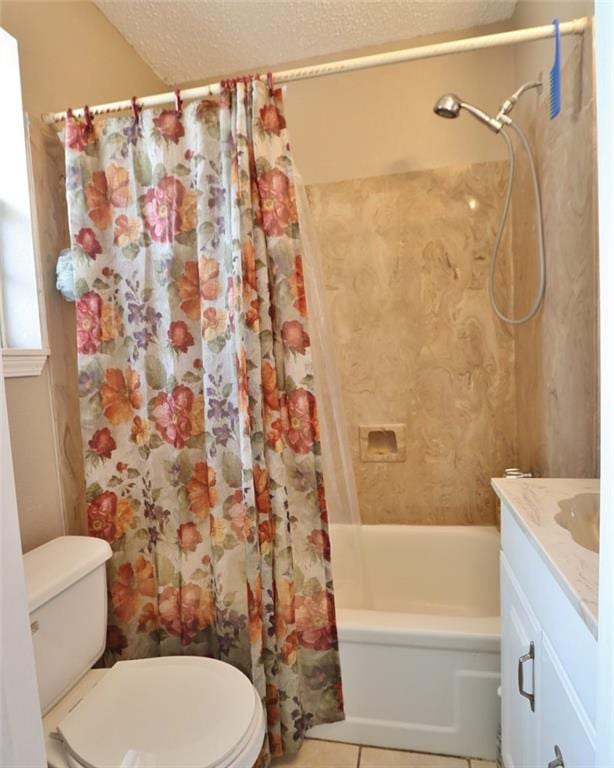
(555, 74)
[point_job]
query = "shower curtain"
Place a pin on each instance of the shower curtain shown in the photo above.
(198, 413)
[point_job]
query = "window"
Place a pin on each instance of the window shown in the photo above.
(21, 336)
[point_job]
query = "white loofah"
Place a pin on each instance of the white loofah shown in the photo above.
(65, 276)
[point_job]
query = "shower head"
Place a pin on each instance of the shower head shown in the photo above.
(450, 105)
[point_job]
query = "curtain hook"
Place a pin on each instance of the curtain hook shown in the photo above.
(178, 103)
(88, 117)
(135, 109)
(269, 79)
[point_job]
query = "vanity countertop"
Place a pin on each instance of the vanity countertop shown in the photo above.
(534, 502)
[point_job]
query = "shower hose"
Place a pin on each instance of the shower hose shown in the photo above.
(540, 230)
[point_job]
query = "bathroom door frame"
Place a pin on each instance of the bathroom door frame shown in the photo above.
(21, 737)
(604, 58)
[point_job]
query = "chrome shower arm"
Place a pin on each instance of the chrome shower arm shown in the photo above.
(509, 104)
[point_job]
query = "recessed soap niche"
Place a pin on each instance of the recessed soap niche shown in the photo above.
(382, 442)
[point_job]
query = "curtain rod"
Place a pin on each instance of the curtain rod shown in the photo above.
(575, 27)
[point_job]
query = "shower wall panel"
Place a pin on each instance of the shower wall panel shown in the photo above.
(51, 236)
(557, 354)
(405, 259)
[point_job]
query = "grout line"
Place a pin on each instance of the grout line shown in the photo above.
(359, 756)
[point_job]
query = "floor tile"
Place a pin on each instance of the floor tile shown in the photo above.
(390, 758)
(321, 754)
(483, 764)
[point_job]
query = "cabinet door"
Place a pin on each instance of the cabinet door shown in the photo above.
(518, 630)
(562, 720)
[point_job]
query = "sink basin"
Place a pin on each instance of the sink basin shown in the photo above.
(580, 516)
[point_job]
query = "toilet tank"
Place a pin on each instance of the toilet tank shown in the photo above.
(67, 601)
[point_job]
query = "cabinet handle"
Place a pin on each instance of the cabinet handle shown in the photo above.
(558, 761)
(530, 656)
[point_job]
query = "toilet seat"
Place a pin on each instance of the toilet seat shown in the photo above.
(167, 712)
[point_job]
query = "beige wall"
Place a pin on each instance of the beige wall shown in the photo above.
(380, 121)
(70, 54)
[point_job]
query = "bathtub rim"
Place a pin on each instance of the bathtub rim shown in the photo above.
(481, 634)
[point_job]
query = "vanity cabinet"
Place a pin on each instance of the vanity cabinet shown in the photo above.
(548, 658)
(562, 721)
(519, 635)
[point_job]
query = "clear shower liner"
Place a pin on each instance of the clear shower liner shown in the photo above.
(342, 499)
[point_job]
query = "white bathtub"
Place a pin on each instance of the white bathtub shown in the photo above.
(419, 651)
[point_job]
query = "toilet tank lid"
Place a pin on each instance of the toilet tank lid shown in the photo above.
(61, 562)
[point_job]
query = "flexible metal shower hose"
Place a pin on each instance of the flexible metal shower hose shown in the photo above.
(540, 231)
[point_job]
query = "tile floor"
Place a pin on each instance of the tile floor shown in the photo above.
(329, 754)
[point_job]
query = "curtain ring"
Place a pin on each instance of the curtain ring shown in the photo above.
(178, 103)
(135, 109)
(269, 79)
(88, 117)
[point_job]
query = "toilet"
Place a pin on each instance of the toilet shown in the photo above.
(165, 712)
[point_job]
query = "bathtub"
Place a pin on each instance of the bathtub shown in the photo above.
(420, 642)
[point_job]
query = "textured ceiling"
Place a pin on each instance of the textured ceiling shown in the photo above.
(185, 40)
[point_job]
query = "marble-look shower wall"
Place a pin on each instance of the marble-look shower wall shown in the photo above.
(405, 261)
(557, 354)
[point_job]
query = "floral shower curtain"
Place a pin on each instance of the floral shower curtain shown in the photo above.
(198, 412)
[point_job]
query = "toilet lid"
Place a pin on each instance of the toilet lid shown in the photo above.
(179, 712)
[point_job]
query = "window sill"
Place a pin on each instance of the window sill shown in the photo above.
(19, 363)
